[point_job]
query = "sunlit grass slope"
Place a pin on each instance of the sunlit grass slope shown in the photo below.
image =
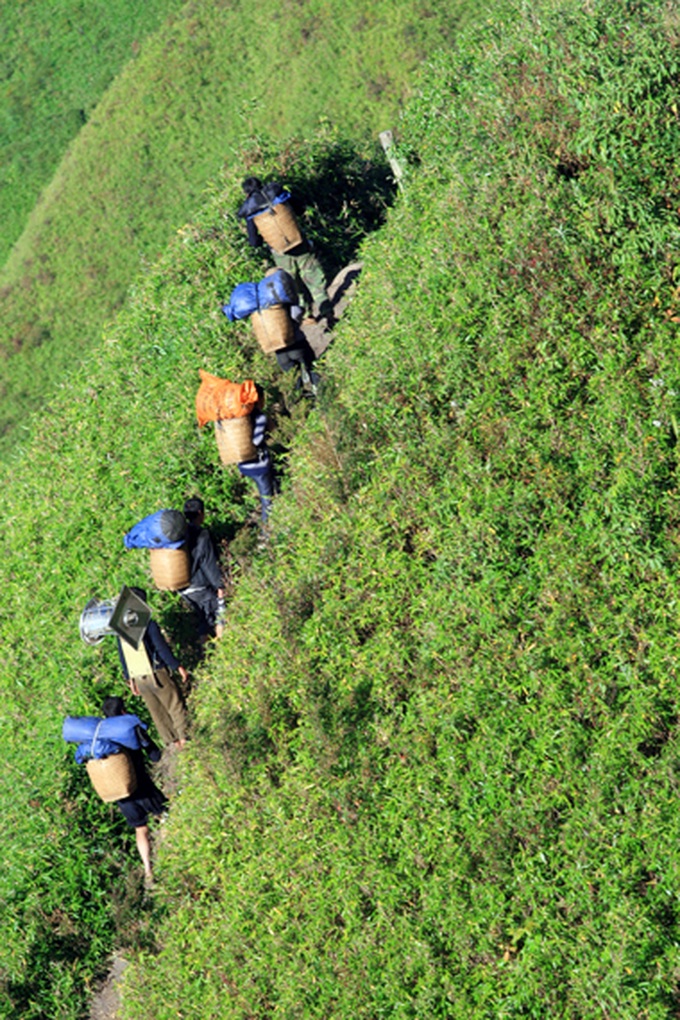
(221, 73)
(56, 61)
(120, 442)
(434, 765)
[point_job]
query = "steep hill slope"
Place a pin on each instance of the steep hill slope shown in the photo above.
(435, 764)
(121, 442)
(56, 61)
(220, 77)
(434, 761)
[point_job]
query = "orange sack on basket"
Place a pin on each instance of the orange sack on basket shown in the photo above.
(218, 399)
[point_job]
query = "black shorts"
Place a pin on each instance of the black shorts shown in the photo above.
(146, 800)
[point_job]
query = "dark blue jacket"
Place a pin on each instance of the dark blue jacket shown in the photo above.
(157, 648)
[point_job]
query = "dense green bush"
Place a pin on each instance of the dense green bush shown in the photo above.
(435, 765)
(120, 442)
(212, 79)
(434, 760)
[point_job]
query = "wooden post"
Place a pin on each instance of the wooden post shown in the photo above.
(387, 142)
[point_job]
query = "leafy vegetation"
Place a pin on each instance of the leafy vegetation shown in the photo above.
(56, 61)
(212, 78)
(121, 442)
(434, 761)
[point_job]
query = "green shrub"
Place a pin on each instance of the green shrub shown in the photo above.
(210, 81)
(434, 759)
(57, 61)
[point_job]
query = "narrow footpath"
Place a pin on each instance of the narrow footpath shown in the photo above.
(106, 1003)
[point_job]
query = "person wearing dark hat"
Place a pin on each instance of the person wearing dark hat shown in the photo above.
(147, 799)
(205, 593)
(148, 671)
(163, 529)
(300, 261)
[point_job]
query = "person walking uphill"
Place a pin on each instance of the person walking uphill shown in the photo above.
(147, 670)
(147, 799)
(297, 258)
(261, 469)
(205, 593)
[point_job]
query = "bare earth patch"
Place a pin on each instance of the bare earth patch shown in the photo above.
(106, 1002)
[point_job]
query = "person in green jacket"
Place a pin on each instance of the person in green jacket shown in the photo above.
(300, 261)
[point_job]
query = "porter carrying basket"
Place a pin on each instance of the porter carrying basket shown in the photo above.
(278, 227)
(170, 568)
(273, 328)
(235, 440)
(113, 777)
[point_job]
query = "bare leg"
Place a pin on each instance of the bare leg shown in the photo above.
(144, 847)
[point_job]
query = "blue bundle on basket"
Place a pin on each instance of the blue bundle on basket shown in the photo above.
(98, 738)
(277, 288)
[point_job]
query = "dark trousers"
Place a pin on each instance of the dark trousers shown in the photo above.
(262, 473)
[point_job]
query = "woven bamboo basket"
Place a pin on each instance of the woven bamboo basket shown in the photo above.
(279, 228)
(273, 328)
(170, 568)
(113, 777)
(235, 440)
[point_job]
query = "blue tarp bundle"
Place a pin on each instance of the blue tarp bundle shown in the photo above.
(111, 734)
(163, 530)
(276, 289)
(242, 302)
(267, 199)
(283, 196)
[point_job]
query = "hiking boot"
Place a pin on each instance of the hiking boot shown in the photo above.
(309, 381)
(326, 316)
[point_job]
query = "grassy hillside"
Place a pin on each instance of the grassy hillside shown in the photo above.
(217, 77)
(434, 763)
(122, 442)
(56, 61)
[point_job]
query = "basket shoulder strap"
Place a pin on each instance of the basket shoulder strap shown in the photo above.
(94, 738)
